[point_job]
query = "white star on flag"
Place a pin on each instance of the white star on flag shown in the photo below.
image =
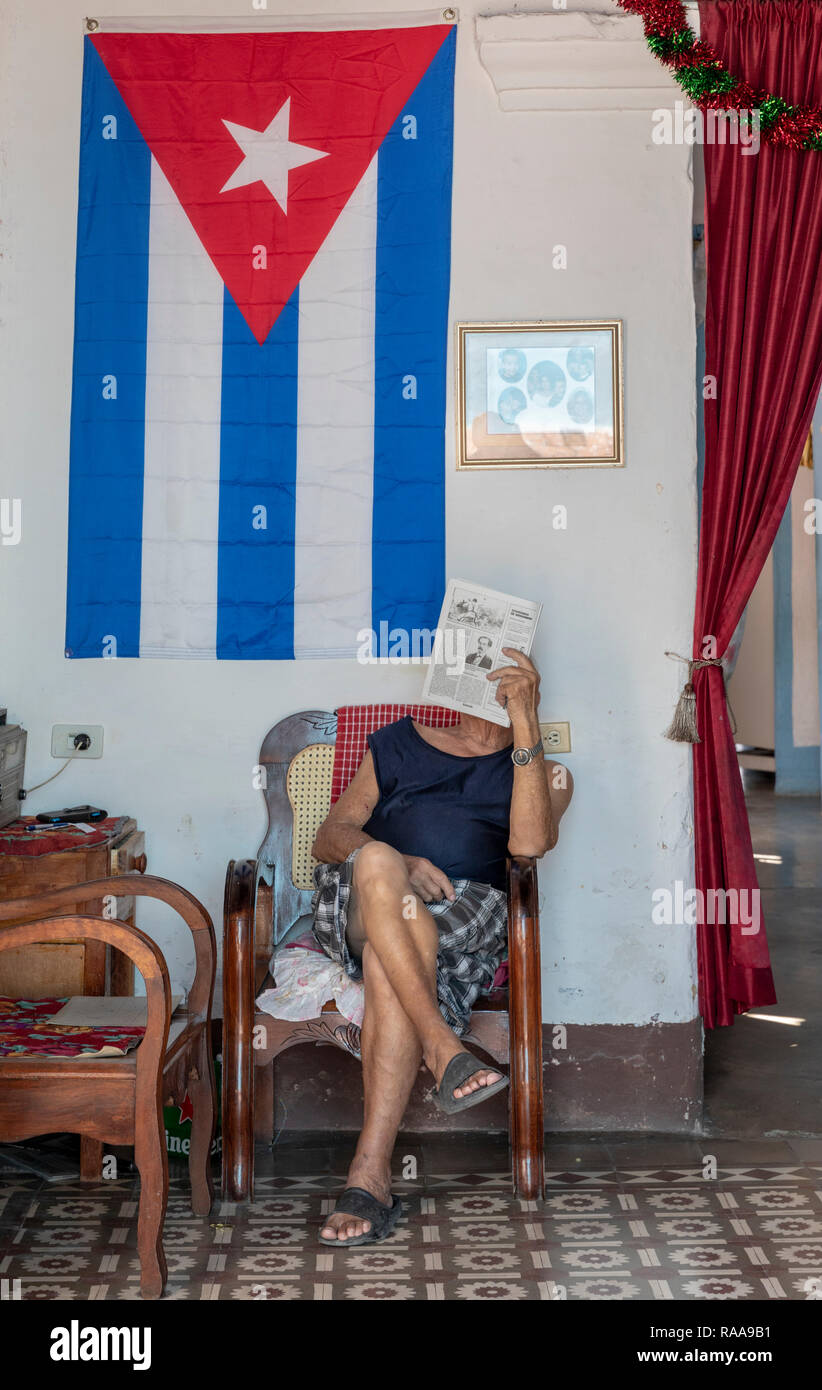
(269, 155)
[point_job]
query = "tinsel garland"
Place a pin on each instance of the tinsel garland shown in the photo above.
(701, 75)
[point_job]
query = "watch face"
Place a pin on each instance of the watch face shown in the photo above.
(521, 756)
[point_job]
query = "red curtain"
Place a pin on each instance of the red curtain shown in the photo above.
(763, 344)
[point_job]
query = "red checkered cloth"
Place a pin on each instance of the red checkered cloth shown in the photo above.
(356, 722)
(16, 839)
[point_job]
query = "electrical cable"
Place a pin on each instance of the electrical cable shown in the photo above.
(70, 759)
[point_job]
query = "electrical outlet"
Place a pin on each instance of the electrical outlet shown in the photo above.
(556, 737)
(63, 736)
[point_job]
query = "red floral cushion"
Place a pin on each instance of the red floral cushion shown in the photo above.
(26, 1030)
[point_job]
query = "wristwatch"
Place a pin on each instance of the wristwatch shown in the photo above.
(523, 756)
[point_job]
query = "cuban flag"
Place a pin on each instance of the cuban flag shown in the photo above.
(258, 400)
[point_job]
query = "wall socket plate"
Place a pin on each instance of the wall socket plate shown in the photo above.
(556, 736)
(63, 736)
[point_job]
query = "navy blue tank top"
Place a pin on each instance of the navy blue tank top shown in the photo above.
(452, 810)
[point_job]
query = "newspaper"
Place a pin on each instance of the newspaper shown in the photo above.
(474, 625)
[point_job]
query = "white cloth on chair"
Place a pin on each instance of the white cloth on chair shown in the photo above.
(306, 978)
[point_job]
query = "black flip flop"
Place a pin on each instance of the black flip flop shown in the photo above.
(458, 1071)
(363, 1206)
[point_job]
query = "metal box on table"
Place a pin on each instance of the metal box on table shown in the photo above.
(12, 761)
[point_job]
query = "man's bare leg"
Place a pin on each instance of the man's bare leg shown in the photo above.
(391, 1056)
(403, 934)
(391, 1047)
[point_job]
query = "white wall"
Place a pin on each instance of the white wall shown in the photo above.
(181, 739)
(751, 687)
(804, 618)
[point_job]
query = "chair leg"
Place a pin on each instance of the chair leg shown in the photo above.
(513, 1112)
(528, 1165)
(152, 1163)
(527, 1103)
(527, 1122)
(264, 1103)
(525, 1019)
(238, 1028)
(203, 1100)
(91, 1160)
(238, 1121)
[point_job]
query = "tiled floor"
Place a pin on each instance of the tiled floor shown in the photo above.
(735, 1215)
(606, 1231)
(763, 1076)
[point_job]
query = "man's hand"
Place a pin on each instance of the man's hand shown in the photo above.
(429, 881)
(518, 689)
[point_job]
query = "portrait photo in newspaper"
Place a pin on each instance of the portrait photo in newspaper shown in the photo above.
(475, 623)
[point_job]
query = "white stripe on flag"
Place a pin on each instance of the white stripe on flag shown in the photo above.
(178, 610)
(335, 433)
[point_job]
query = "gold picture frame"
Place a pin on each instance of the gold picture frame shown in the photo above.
(557, 384)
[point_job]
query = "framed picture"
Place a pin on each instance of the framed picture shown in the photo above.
(539, 395)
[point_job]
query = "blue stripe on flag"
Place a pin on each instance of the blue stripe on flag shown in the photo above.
(413, 265)
(258, 468)
(107, 435)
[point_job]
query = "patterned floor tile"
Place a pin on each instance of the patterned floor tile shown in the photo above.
(658, 1233)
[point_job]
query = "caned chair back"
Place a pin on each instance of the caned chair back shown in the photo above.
(308, 784)
(296, 763)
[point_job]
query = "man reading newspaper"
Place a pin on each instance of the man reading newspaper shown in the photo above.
(411, 890)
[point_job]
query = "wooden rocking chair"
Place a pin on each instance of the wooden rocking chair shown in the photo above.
(264, 902)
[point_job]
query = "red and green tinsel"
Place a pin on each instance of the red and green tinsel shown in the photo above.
(703, 77)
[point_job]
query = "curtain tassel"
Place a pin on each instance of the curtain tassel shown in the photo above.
(682, 728)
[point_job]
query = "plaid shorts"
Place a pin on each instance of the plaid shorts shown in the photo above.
(472, 936)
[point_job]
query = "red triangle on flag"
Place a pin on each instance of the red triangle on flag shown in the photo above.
(264, 137)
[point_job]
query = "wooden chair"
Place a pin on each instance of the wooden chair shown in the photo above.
(264, 902)
(119, 1100)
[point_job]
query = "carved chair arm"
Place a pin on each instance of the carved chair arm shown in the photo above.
(142, 886)
(146, 955)
(239, 948)
(523, 895)
(238, 1024)
(525, 1021)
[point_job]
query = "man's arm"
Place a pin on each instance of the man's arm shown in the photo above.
(542, 789)
(342, 831)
